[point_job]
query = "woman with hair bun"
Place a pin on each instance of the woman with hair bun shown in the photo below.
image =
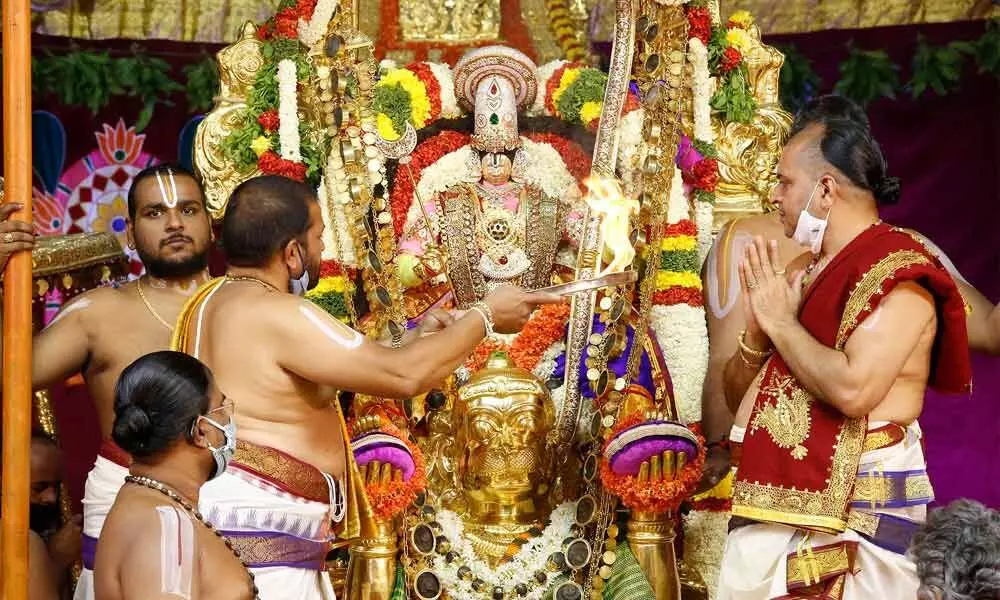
(178, 427)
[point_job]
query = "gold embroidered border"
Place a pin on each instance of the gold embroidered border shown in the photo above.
(862, 522)
(870, 285)
(298, 477)
(821, 510)
(880, 491)
(816, 565)
(882, 438)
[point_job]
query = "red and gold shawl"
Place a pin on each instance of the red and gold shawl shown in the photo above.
(800, 456)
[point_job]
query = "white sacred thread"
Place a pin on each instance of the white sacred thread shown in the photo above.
(325, 325)
(80, 304)
(176, 552)
(720, 307)
(169, 199)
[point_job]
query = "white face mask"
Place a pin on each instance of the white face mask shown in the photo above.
(809, 230)
(300, 285)
(224, 454)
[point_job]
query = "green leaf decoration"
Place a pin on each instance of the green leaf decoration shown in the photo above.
(395, 103)
(987, 49)
(936, 68)
(202, 84)
(733, 97)
(799, 81)
(867, 75)
(588, 87)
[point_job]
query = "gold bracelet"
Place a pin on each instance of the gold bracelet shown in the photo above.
(749, 363)
(759, 354)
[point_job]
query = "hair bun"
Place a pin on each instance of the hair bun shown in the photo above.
(132, 428)
(887, 191)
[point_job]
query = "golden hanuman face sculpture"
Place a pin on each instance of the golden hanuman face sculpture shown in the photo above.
(503, 415)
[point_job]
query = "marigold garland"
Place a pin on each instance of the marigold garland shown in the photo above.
(678, 295)
(546, 327)
(661, 496)
(389, 499)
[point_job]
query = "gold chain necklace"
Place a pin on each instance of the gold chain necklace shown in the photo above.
(153, 484)
(149, 307)
(254, 280)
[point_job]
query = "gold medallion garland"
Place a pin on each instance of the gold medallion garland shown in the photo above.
(661, 32)
(356, 179)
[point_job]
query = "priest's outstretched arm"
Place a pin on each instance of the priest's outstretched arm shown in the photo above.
(323, 350)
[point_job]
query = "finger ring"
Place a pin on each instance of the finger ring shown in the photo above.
(751, 285)
(8, 238)
(779, 272)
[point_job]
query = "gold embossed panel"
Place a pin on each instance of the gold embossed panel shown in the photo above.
(818, 15)
(449, 20)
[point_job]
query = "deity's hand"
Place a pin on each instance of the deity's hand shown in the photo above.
(774, 301)
(662, 467)
(377, 472)
(511, 307)
(435, 320)
(15, 236)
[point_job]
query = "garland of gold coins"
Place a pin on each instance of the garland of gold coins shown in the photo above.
(661, 35)
(153, 484)
(356, 176)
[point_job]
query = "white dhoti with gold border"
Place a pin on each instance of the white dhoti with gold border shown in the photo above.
(767, 561)
(282, 527)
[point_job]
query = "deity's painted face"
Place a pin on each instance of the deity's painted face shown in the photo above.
(503, 441)
(496, 168)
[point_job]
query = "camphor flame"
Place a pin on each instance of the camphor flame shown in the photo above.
(605, 197)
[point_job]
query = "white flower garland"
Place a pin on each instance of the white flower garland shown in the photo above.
(331, 250)
(311, 32)
(532, 557)
(548, 172)
(677, 206)
(337, 236)
(288, 111)
(704, 218)
(547, 363)
(683, 337)
(449, 103)
(701, 91)
(704, 542)
(629, 143)
(542, 75)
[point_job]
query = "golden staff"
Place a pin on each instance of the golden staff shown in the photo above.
(16, 304)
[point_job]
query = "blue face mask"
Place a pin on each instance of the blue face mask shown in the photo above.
(300, 285)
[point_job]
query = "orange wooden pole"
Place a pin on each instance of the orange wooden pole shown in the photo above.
(16, 303)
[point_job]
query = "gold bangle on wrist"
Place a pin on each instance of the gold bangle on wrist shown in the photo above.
(747, 350)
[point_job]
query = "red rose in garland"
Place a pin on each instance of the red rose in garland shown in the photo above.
(731, 59)
(286, 24)
(706, 175)
(699, 24)
(272, 164)
(268, 120)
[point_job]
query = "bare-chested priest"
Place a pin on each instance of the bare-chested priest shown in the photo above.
(177, 425)
(101, 331)
(278, 356)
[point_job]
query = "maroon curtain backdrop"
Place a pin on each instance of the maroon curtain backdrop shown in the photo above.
(946, 150)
